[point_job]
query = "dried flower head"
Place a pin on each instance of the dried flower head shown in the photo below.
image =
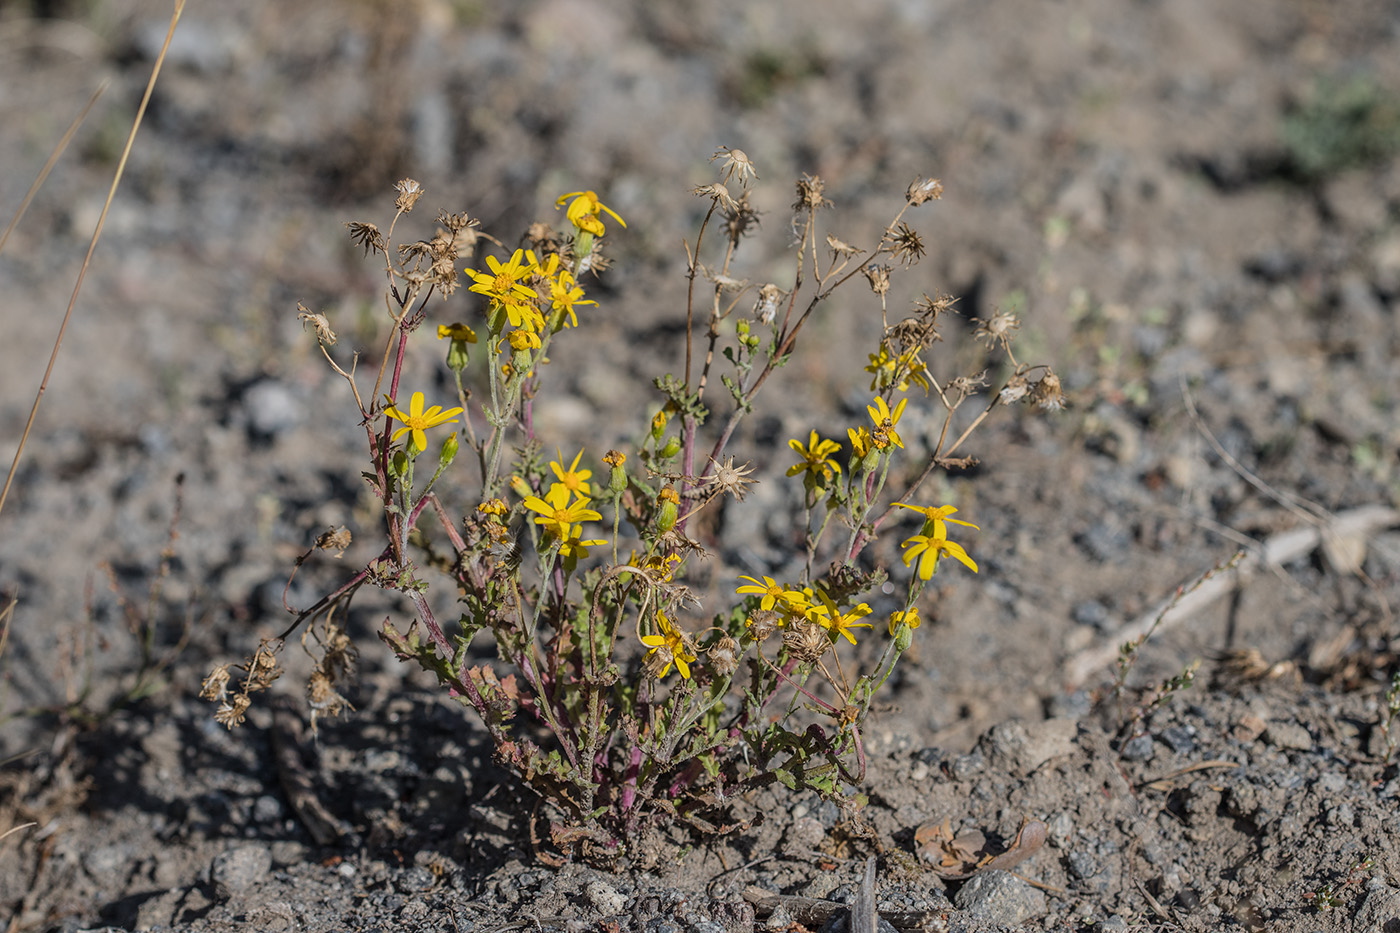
(735, 162)
(878, 276)
(1016, 388)
(763, 623)
(840, 247)
(908, 245)
(366, 235)
(409, 193)
(998, 329)
(336, 539)
(319, 323)
(805, 640)
(923, 189)
(809, 194)
(765, 308)
(741, 220)
(1047, 392)
(720, 195)
(724, 656)
(963, 386)
(929, 309)
(730, 479)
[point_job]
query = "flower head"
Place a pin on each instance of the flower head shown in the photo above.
(584, 209)
(503, 286)
(416, 420)
(668, 646)
(927, 549)
(564, 297)
(573, 477)
(884, 421)
(556, 513)
(816, 460)
(769, 591)
(836, 622)
(934, 518)
(904, 618)
(735, 162)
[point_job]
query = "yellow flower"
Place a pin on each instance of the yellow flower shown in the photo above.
(928, 548)
(835, 621)
(884, 419)
(816, 459)
(557, 513)
(898, 371)
(672, 645)
(583, 211)
(493, 507)
(522, 339)
(904, 619)
(934, 518)
(860, 443)
(456, 332)
(564, 295)
(572, 548)
(573, 477)
(416, 420)
(502, 285)
(770, 591)
(503, 282)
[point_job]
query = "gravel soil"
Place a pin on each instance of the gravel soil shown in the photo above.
(1194, 208)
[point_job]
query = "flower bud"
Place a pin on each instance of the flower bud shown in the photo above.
(398, 463)
(658, 425)
(670, 448)
(448, 452)
(617, 477)
(520, 487)
(668, 503)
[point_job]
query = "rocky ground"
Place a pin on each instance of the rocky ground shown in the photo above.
(1192, 206)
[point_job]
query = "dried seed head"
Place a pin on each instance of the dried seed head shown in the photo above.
(923, 189)
(657, 660)
(840, 247)
(724, 656)
(1016, 388)
(336, 539)
(735, 162)
(720, 195)
(879, 278)
(366, 235)
(963, 386)
(929, 309)
(908, 245)
(1048, 393)
(1000, 328)
(763, 623)
(319, 322)
(809, 194)
(232, 711)
(731, 479)
(806, 640)
(741, 219)
(409, 193)
(216, 684)
(766, 308)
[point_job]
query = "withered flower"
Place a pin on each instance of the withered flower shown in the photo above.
(805, 640)
(809, 194)
(923, 189)
(409, 193)
(878, 276)
(366, 235)
(735, 162)
(908, 245)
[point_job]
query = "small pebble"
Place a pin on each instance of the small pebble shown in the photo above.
(1000, 897)
(1138, 748)
(605, 897)
(1179, 739)
(240, 868)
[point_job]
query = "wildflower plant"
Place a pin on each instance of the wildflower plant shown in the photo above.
(606, 692)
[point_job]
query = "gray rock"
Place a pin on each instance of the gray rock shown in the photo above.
(605, 897)
(1138, 748)
(1000, 897)
(239, 869)
(1378, 911)
(1288, 735)
(1020, 750)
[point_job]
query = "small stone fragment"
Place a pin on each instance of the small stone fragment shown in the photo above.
(1000, 897)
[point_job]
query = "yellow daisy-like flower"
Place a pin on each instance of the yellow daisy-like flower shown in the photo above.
(503, 284)
(839, 623)
(416, 420)
(770, 591)
(816, 459)
(934, 518)
(671, 643)
(456, 332)
(927, 549)
(556, 513)
(523, 339)
(904, 619)
(883, 418)
(574, 478)
(571, 546)
(861, 442)
(564, 296)
(584, 209)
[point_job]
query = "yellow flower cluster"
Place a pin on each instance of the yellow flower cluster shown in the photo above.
(564, 508)
(806, 603)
